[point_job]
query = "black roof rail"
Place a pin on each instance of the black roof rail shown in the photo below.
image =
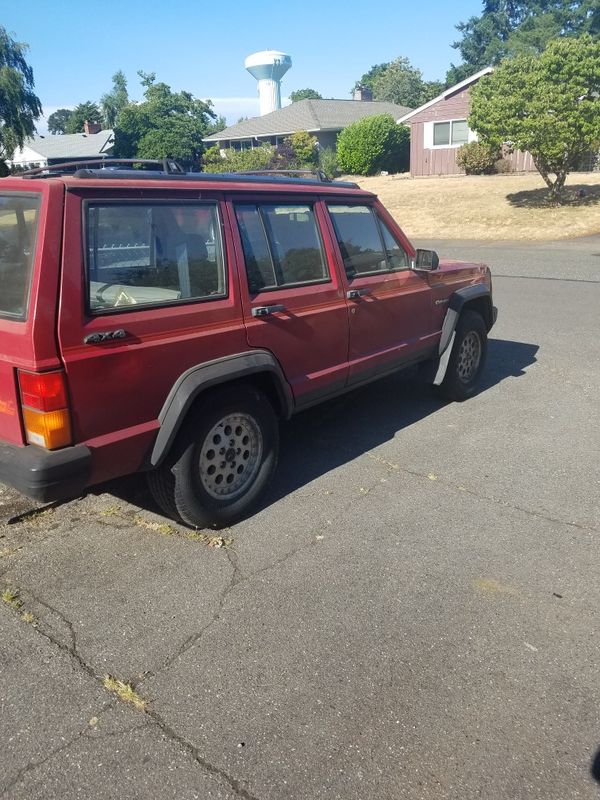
(317, 174)
(164, 166)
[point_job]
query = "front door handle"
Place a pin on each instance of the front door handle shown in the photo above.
(264, 311)
(354, 294)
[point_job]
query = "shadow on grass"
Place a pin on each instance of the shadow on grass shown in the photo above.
(581, 195)
(321, 439)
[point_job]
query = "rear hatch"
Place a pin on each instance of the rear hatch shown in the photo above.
(30, 246)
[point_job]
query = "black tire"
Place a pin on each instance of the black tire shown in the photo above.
(161, 483)
(467, 358)
(242, 461)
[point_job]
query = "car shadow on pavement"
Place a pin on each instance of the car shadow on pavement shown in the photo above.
(595, 768)
(323, 438)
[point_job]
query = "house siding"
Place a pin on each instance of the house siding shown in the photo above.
(442, 160)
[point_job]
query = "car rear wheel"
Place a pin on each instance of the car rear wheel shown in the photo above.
(467, 359)
(222, 460)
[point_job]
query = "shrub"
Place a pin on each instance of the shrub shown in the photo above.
(503, 166)
(373, 144)
(305, 148)
(328, 162)
(477, 158)
(238, 160)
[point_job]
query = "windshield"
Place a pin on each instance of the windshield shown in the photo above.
(18, 228)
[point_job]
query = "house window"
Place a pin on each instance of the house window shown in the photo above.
(454, 132)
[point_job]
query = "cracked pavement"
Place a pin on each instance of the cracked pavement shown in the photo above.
(412, 613)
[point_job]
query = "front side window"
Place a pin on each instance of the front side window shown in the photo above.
(152, 254)
(455, 132)
(282, 246)
(366, 243)
(19, 216)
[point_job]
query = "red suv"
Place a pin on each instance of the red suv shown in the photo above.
(166, 323)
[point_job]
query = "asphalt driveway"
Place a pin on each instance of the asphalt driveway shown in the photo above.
(414, 613)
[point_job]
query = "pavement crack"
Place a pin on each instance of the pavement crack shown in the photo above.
(63, 618)
(31, 766)
(236, 785)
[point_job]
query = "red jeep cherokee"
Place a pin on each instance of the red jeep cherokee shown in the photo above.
(166, 322)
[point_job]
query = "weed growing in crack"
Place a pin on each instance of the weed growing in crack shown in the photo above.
(124, 691)
(28, 617)
(210, 541)
(157, 527)
(11, 598)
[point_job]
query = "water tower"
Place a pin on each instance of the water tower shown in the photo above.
(268, 67)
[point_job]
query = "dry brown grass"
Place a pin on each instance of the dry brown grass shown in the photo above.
(489, 207)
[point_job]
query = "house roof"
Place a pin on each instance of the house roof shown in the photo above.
(71, 145)
(446, 93)
(307, 115)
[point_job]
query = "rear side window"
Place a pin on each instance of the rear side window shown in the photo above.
(282, 246)
(19, 215)
(151, 254)
(366, 243)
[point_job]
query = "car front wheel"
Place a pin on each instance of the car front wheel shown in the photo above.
(467, 359)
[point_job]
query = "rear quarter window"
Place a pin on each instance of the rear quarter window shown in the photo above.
(19, 219)
(148, 254)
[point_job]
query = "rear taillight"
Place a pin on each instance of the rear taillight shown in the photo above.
(45, 409)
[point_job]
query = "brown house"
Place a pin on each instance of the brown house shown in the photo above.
(438, 128)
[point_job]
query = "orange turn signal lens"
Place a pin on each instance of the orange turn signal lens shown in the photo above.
(50, 429)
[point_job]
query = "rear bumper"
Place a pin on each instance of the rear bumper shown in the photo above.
(45, 475)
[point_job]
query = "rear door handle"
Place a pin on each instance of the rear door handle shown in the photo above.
(264, 311)
(354, 294)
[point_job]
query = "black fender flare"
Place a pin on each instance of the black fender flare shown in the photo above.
(205, 376)
(458, 300)
(456, 303)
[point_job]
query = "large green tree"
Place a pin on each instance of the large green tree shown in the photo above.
(113, 102)
(305, 94)
(19, 106)
(165, 123)
(84, 112)
(57, 122)
(547, 104)
(399, 82)
(507, 28)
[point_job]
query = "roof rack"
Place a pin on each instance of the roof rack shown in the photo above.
(165, 166)
(317, 174)
(169, 169)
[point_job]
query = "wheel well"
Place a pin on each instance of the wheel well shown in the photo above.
(265, 382)
(483, 307)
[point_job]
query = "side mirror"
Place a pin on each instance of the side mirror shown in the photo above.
(427, 260)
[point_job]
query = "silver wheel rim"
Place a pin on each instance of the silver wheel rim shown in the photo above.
(469, 356)
(230, 456)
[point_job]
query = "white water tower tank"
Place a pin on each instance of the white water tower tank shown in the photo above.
(268, 67)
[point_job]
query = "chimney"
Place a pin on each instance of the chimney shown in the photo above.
(363, 93)
(91, 127)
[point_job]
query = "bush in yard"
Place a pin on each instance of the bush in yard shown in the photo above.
(478, 158)
(238, 160)
(305, 148)
(373, 144)
(328, 162)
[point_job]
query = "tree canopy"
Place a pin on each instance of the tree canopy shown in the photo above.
(399, 82)
(305, 94)
(113, 102)
(84, 112)
(507, 28)
(165, 123)
(57, 122)
(19, 106)
(547, 104)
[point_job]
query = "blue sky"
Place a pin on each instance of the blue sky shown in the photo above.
(76, 47)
